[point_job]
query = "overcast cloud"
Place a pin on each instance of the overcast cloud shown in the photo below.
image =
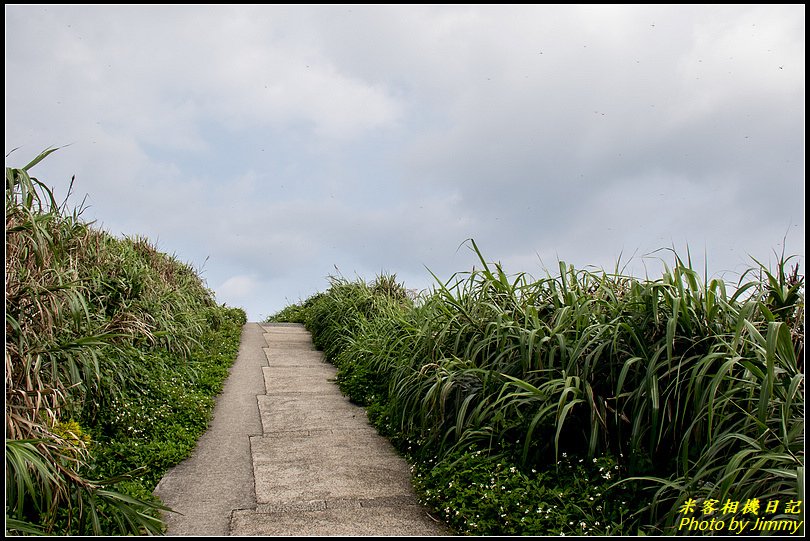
(269, 145)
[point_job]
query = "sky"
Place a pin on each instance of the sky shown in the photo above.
(273, 146)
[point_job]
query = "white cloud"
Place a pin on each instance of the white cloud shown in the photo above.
(282, 140)
(237, 288)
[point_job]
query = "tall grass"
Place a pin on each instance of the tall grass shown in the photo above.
(87, 315)
(697, 384)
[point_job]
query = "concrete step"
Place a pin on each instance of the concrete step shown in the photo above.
(294, 411)
(410, 520)
(299, 379)
(289, 340)
(353, 463)
(293, 357)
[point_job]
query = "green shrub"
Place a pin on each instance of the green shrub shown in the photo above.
(106, 338)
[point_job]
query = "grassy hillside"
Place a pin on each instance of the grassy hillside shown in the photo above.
(581, 403)
(114, 352)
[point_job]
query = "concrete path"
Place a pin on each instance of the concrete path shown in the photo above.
(287, 454)
(218, 477)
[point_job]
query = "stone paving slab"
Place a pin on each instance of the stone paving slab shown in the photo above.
(294, 357)
(287, 412)
(285, 335)
(287, 342)
(315, 379)
(282, 327)
(320, 505)
(327, 465)
(410, 520)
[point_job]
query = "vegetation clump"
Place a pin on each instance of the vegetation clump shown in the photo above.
(582, 402)
(114, 352)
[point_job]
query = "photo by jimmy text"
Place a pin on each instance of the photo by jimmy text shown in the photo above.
(741, 517)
